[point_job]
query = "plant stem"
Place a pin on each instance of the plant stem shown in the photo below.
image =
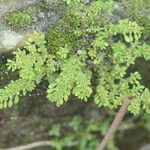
(30, 146)
(114, 126)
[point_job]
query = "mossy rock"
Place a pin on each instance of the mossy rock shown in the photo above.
(57, 38)
(22, 18)
(19, 20)
(28, 16)
(64, 34)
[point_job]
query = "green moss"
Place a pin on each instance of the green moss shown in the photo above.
(19, 20)
(56, 38)
(22, 18)
(64, 34)
(70, 20)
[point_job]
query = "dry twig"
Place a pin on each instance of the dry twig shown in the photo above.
(30, 146)
(114, 126)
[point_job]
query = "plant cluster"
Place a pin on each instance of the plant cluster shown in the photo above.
(139, 11)
(80, 135)
(85, 43)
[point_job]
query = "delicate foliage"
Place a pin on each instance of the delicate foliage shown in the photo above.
(31, 63)
(81, 134)
(71, 77)
(139, 11)
(86, 43)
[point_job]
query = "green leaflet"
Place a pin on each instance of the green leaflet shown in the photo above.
(71, 77)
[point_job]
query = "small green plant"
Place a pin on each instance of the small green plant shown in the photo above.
(84, 44)
(80, 135)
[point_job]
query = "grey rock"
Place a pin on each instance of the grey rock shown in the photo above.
(9, 40)
(51, 1)
(119, 13)
(145, 147)
(41, 15)
(7, 6)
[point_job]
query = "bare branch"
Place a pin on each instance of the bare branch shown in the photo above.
(114, 126)
(30, 146)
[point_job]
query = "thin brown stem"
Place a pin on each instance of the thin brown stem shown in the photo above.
(35, 145)
(114, 126)
(30, 146)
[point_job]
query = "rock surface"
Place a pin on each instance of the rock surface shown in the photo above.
(9, 40)
(10, 37)
(7, 6)
(145, 147)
